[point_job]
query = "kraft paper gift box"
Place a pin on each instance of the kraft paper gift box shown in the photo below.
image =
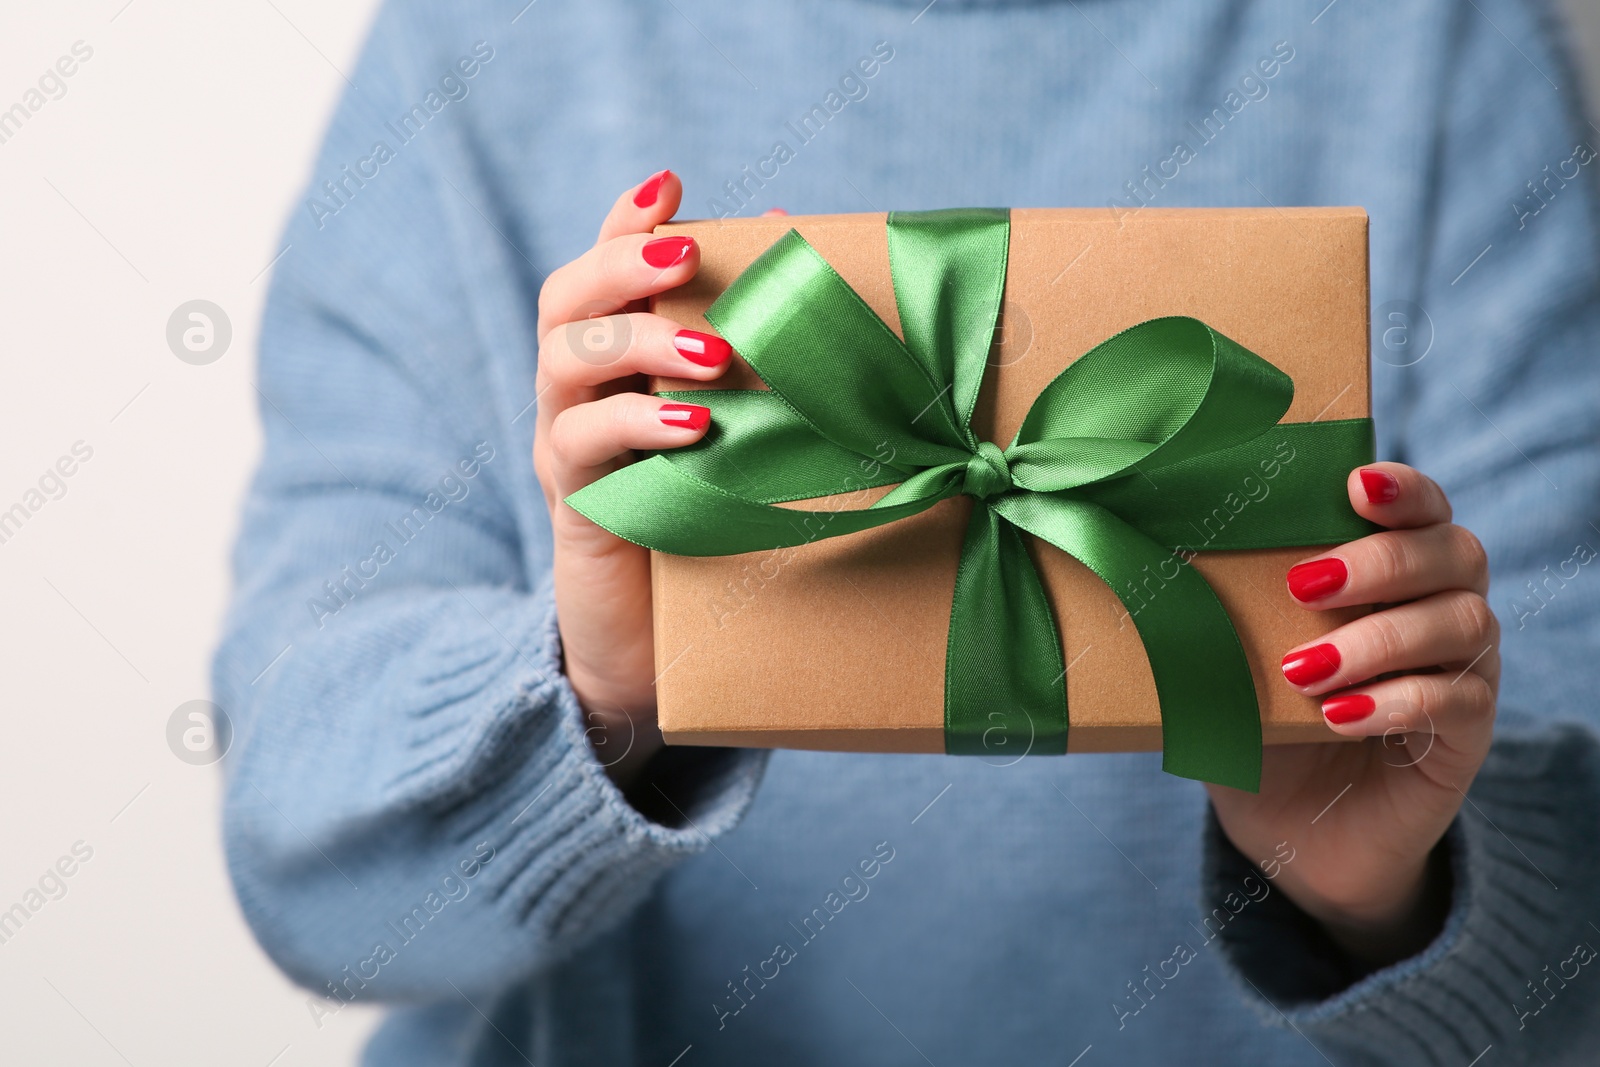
(841, 643)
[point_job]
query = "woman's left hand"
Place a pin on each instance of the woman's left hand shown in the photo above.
(1416, 680)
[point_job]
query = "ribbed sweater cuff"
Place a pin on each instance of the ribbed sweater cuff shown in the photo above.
(1524, 870)
(572, 855)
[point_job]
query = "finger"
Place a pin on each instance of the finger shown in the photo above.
(1454, 627)
(589, 441)
(1392, 566)
(1450, 715)
(774, 213)
(1396, 496)
(644, 207)
(588, 352)
(609, 276)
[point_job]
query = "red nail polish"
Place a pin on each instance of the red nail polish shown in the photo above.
(706, 349)
(1311, 665)
(692, 416)
(651, 188)
(1381, 486)
(1351, 707)
(1317, 579)
(666, 252)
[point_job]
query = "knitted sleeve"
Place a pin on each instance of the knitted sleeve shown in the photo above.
(412, 807)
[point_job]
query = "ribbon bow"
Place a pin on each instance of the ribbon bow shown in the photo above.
(1130, 451)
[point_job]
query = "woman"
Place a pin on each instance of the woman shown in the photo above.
(419, 811)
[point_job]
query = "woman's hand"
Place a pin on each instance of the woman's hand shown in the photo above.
(596, 345)
(1417, 681)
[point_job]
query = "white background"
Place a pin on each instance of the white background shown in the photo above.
(163, 175)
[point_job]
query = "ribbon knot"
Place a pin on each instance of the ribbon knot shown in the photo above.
(1143, 443)
(987, 473)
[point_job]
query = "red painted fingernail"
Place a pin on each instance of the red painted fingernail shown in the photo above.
(666, 252)
(706, 349)
(692, 416)
(1381, 486)
(651, 188)
(1351, 707)
(1317, 579)
(1311, 665)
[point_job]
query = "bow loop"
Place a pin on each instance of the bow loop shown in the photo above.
(1163, 391)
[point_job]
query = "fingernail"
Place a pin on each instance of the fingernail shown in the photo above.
(692, 416)
(1311, 665)
(1381, 486)
(666, 252)
(706, 349)
(1317, 579)
(1351, 707)
(651, 188)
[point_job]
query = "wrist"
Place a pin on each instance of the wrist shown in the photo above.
(1394, 921)
(622, 743)
(619, 722)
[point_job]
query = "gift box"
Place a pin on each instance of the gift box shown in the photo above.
(1005, 483)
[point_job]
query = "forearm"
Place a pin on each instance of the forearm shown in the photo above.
(1398, 923)
(424, 733)
(1404, 916)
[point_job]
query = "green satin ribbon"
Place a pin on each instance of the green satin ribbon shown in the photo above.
(1141, 448)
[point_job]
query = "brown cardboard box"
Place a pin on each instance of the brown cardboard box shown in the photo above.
(840, 644)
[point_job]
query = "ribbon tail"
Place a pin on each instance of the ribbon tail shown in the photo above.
(1005, 684)
(1210, 720)
(655, 504)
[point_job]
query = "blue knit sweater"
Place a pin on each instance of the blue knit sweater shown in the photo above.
(413, 816)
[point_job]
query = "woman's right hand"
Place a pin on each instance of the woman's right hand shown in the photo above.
(597, 344)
